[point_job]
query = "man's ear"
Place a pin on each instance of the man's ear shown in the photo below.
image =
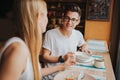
(78, 22)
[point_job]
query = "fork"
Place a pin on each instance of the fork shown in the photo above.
(81, 75)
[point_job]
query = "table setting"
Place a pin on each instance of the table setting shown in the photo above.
(90, 61)
(83, 69)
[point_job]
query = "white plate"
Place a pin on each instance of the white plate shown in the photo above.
(83, 57)
(84, 61)
(72, 73)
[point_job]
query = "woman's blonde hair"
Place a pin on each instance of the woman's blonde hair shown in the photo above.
(27, 24)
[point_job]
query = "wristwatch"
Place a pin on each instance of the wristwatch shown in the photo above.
(61, 60)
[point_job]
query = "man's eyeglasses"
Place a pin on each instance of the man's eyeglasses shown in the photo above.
(73, 20)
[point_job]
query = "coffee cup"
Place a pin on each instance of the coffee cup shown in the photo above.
(99, 63)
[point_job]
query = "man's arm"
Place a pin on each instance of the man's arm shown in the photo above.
(53, 59)
(47, 57)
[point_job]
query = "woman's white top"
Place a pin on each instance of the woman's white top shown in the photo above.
(28, 72)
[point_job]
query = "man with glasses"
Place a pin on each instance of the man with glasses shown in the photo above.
(61, 42)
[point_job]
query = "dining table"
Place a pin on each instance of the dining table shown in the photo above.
(108, 73)
(105, 73)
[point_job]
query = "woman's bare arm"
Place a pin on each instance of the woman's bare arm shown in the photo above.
(50, 70)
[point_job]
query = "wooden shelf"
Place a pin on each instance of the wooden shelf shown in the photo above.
(66, 0)
(56, 9)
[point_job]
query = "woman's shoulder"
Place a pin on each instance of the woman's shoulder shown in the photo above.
(15, 45)
(14, 39)
(18, 46)
(15, 55)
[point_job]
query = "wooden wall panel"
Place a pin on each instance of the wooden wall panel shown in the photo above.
(97, 30)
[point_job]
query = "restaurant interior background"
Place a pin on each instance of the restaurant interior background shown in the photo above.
(106, 28)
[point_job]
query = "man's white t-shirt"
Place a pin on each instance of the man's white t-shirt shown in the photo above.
(59, 44)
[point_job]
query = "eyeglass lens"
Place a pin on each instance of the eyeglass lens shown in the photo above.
(68, 19)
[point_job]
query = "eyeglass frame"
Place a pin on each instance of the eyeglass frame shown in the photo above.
(73, 20)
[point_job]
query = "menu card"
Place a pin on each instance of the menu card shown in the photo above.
(97, 45)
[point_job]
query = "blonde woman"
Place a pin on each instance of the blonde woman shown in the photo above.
(19, 57)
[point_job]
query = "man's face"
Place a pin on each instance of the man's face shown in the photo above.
(71, 20)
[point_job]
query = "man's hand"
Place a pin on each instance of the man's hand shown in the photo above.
(67, 55)
(84, 48)
(70, 60)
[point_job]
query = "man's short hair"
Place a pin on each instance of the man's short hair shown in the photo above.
(72, 7)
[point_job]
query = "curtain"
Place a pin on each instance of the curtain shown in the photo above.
(115, 39)
(118, 62)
